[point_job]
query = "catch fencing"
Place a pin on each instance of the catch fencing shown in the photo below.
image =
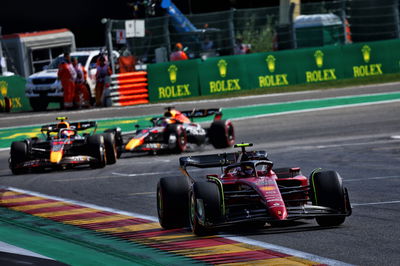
(218, 33)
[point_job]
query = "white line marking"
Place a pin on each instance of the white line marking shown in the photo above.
(277, 248)
(371, 178)
(315, 109)
(4, 247)
(376, 203)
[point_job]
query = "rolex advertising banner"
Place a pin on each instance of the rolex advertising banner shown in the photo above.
(318, 64)
(223, 75)
(173, 80)
(265, 70)
(371, 59)
(12, 94)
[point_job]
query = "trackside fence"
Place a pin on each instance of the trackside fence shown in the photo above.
(129, 88)
(227, 74)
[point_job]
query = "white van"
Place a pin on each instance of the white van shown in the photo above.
(44, 87)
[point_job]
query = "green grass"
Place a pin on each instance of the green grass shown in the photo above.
(302, 87)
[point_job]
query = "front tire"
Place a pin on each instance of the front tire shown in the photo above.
(205, 207)
(111, 149)
(221, 134)
(172, 202)
(97, 150)
(327, 190)
(18, 155)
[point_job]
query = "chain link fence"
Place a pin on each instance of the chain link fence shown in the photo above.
(220, 33)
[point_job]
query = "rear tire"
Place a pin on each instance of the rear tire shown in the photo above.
(111, 149)
(18, 155)
(38, 104)
(221, 134)
(118, 140)
(205, 207)
(327, 190)
(97, 150)
(172, 202)
(178, 133)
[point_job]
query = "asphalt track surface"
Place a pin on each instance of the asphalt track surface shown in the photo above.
(360, 142)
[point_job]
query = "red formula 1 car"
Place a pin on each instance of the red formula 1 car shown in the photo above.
(63, 146)
(248, 191)
(175, 130)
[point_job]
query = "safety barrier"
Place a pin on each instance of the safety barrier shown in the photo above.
(129, 88)
(227, 74)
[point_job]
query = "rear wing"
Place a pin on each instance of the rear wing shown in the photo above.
(208, 161)
(197, 113)
(79, 126)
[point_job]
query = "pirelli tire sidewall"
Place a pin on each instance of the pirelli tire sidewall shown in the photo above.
(178, 132)
(18, 154)
(221, 134)
(97, 151)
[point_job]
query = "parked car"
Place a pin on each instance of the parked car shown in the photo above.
(44, 87)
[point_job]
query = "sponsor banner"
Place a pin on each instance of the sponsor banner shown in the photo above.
(318, 64)
(173, 80)
(12, 94)
(223, 75)
(371, 59)
(265, 70)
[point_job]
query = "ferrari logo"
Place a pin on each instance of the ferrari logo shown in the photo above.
(222, 66)
(271, 63)
(319, 58)
(173, 69)
(3, 88)
(366, 53)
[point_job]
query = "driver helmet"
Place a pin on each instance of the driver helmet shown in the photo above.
(248, 170)
(65, 133)
(167, 121)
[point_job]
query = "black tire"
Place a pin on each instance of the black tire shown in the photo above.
(327, 190)
(18, 155)
(111, 148)
(179, 133)
(221, 134)
(173, 201)
(118, 140)
(203, 217)
(97, 150)
(38, 104)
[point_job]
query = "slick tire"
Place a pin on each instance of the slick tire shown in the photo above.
(111, 149)
(327, 190)
(205, 207)
(177, 133)
(118, 140)
(221, 134)
(18, 155)
(97, 150)
(38, 103)
(173, 202)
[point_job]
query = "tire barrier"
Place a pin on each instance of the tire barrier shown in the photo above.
(129, 88)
